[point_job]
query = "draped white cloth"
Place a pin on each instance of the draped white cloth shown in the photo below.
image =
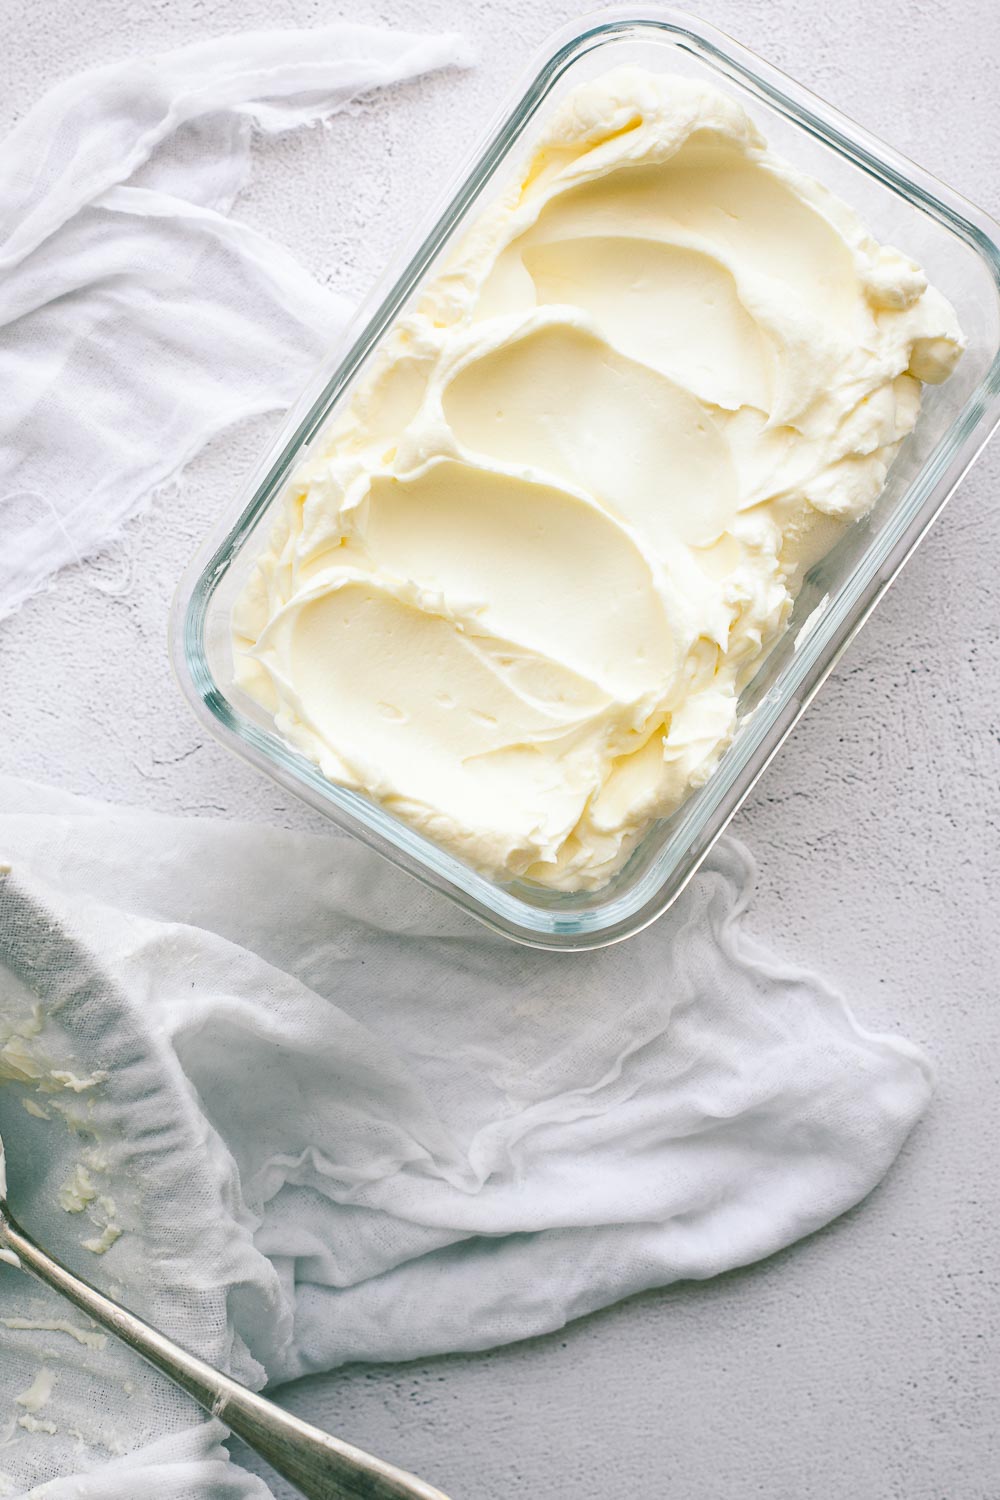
(338, 1120)
(136, 318)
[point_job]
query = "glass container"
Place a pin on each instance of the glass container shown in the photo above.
(900, 204)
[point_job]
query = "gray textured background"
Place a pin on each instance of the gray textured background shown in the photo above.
(865, 1362)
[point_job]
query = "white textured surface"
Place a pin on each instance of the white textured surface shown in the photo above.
(862, 1363)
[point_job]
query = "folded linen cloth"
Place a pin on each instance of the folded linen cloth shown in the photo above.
(334, 1119)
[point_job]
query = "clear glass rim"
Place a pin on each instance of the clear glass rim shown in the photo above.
(553, 925)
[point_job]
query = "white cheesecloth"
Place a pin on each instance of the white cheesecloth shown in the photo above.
(136, 319)
(339, 1120)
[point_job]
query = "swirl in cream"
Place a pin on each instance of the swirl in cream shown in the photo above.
(513, 593)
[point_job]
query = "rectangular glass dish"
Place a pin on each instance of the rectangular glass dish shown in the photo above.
(955, 243)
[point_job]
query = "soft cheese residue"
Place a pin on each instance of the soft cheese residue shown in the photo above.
(25, 1060)
(38, 1393)
(77, 1191)
(90, 1338)
(515, 592)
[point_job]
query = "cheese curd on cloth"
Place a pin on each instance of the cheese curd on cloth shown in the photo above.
(514, 591)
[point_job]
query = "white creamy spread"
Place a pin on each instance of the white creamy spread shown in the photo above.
(514, 592)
